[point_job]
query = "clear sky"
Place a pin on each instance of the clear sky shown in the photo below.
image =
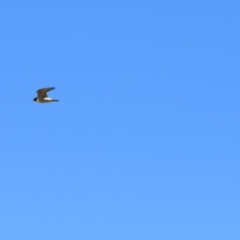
(145, 141)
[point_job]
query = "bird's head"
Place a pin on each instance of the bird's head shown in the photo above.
(35, 99)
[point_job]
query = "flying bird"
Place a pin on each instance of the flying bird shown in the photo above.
(43, 97)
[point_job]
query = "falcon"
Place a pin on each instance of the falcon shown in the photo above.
(43, 97)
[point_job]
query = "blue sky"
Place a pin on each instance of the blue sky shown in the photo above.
(144, 143)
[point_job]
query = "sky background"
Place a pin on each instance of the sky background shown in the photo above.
(144, 143)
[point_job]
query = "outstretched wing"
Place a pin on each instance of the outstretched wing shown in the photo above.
(42, 93)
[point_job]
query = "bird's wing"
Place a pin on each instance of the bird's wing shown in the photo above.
(43, 92)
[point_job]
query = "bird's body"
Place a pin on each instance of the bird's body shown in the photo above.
(43, 97)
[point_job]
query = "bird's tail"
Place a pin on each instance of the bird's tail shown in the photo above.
(55, 100)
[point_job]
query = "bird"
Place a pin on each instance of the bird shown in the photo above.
(43, 97)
